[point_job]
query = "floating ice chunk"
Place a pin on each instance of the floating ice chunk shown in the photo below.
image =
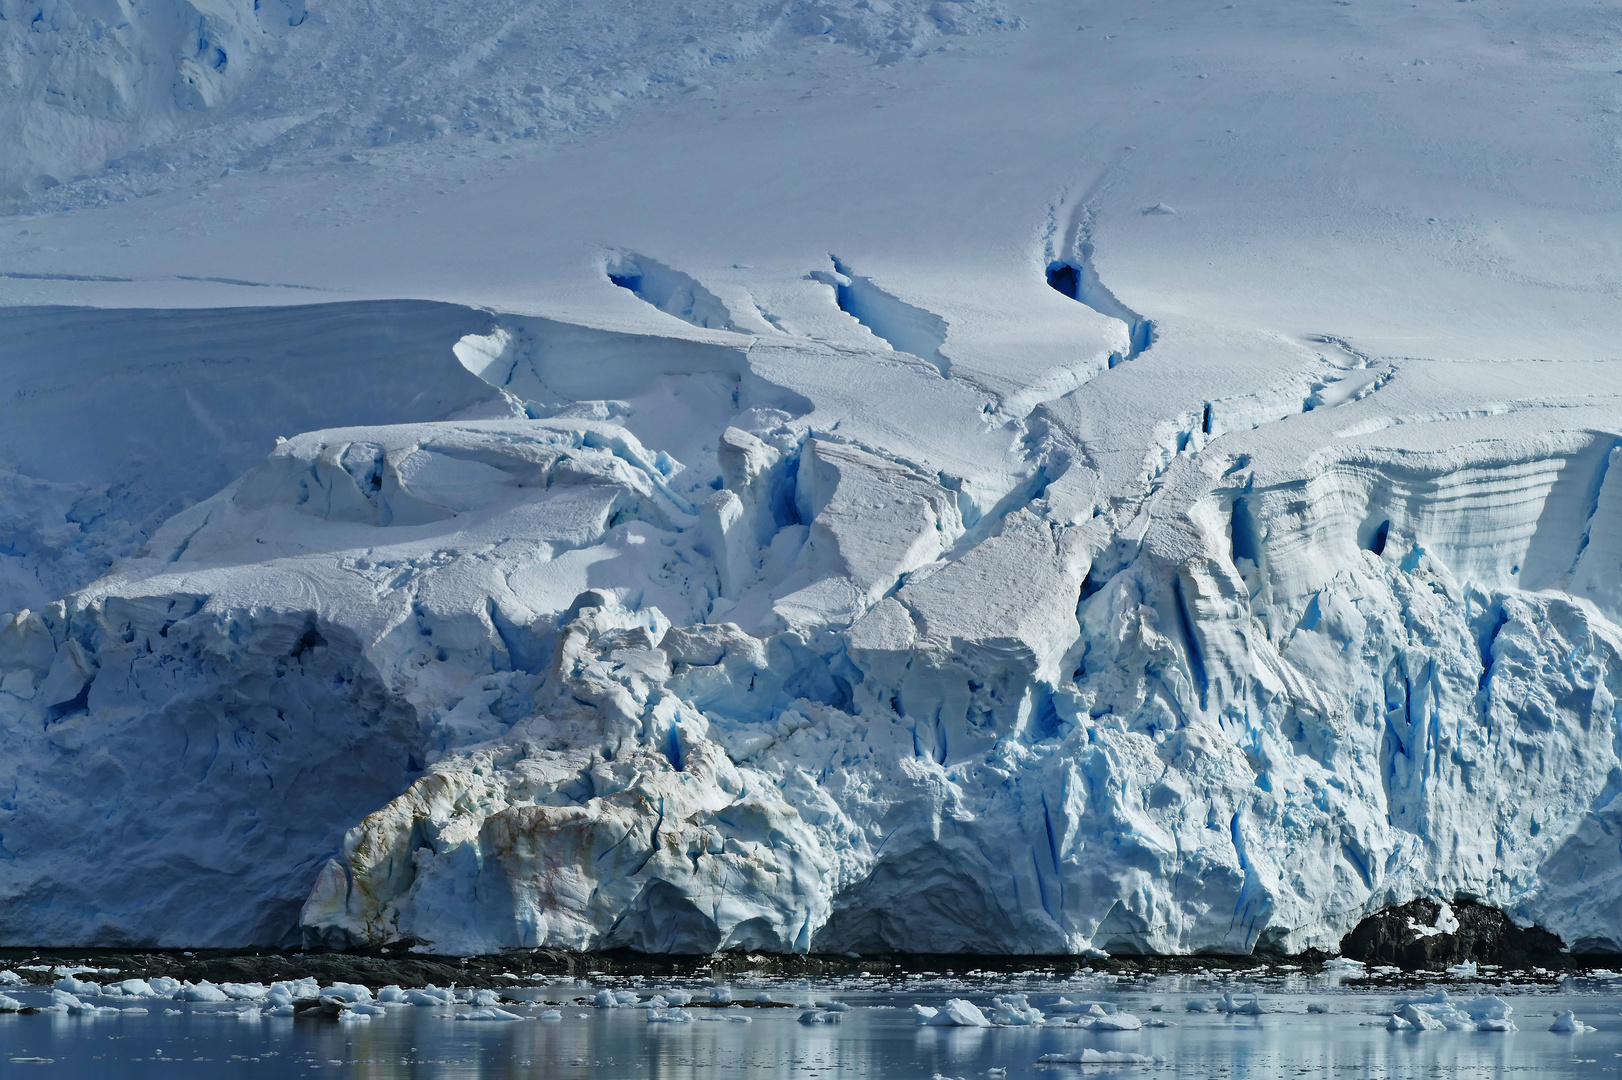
(831, 1006)
(669, 1016)
(1340, 965)
(1086, 1008)
(164, 986)
(488, 1015)
(369, 1009)
(63, 1001)
(1487, 1007)
(392, 994)
(203, 991)
(1241, 1005)
(818, 1016)
(1435, 997)
(347, 992)
(1430, 1012)
(132, 1010)
(549, 1014)
(11, 978)
(485, 999)
(281, 1010)
(291, 990)
(9, 1003)
(959, 1013)
(429, 996)
(350, 1016)
(1202, 1005)
(1466, 970)
(245, 991)
(1317, 1007)
(135, 988)
(614, 999)
(1413, 1018)
(1089, 1056)
(1012, 1010)
(722, 994)
(80, 987)
(1566, 1023)
(1421, 1019)
(1118, 1022)
(925, 1013)
(251, 1012)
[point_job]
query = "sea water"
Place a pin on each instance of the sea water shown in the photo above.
(878, 1035)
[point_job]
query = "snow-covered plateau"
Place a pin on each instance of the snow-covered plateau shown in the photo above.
(1026, 477)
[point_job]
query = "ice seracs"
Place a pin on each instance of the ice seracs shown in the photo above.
(801, 692)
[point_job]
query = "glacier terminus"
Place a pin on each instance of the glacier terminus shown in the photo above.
(1000, 476)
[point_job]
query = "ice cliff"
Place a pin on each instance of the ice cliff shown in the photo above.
(763, 639)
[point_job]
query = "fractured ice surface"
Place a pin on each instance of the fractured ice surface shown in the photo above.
(593, 640)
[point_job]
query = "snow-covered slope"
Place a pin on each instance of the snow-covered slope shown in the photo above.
(1125, 477)
(139, 88)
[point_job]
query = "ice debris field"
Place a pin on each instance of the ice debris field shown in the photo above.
(1020, 477)
(1265, 1021)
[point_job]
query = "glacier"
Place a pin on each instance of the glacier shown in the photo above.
(702, 536)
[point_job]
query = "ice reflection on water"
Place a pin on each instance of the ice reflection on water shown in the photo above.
(878, 1037)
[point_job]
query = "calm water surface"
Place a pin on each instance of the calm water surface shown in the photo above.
(878, 1037)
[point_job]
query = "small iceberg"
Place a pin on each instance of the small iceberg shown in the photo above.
(955, 1013)
(1089, 1056)
(669, 1016)
(1566, 1023)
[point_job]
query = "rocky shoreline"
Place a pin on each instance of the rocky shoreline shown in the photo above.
(1419, 937)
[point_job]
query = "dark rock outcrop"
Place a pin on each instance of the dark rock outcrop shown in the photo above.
(1404, 936)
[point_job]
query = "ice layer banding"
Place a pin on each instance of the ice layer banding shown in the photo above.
(689, 641)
